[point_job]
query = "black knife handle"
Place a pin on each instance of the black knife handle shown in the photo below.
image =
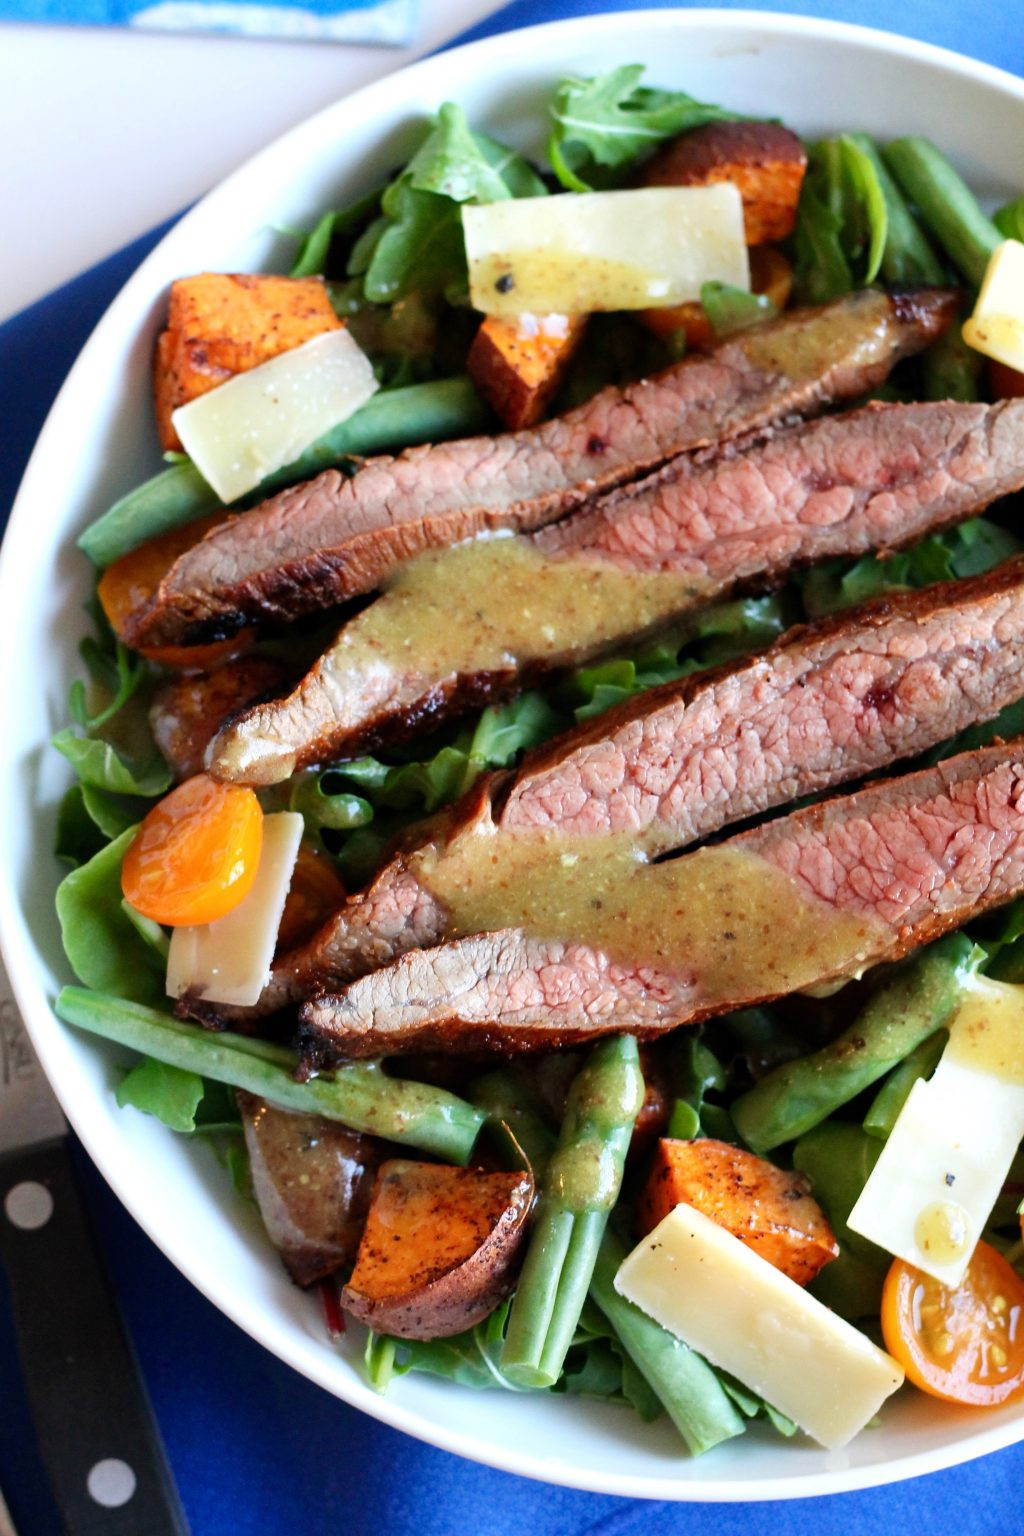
(96, 1432)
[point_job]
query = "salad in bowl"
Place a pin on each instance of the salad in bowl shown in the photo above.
(545, 826)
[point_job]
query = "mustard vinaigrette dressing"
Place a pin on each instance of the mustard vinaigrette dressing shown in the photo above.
(723, 916)
(493, 602)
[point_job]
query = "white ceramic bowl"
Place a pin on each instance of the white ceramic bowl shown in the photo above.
(99, 440)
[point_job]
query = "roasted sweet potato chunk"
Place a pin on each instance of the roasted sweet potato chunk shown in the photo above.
(440, 1248)
(517, 365)
(764, 160)
(220, 324)
(767, 1208)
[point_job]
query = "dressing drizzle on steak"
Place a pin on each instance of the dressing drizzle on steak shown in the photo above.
(827, 704)
(460, 624)
(586, 941)
(332, 538)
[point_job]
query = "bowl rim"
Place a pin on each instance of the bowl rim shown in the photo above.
(16, 941)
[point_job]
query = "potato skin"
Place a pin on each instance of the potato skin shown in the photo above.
(440, 1248)
(312, 1179)
(221, 323)
(764, 160)
(770, 1210)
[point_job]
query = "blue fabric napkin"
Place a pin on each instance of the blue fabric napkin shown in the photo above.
(335, 21)
(256, 1449)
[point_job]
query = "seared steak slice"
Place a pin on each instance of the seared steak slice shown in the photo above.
(333, 538)
(827, 704)
(189, 709)
(817, 895)
(461, 622)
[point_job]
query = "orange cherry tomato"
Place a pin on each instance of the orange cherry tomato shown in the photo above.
(195, 856)
(315, 894)
(964, 1345)
(1006, 383)
(132, 580)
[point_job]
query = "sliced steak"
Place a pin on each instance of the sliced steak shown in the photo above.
(814, 896)
(827, 704)
(463, 622)
(333, 538)
(188, 710)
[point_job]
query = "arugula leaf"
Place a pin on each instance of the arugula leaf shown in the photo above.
(417, 244)
(310, 795)
(821, 271)
(170, 1093)
(866, 212)
(469, 1358)
(104, 948)
(968, 550)
(312, 257)
(610, 120)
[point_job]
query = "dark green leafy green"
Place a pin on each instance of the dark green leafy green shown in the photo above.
(611, 120)
(313, 255)
(842, 222)
(99, 764)
(967, 550)
(416, 245)
(731, 309)
(1009, 219)
(471, 1359)
(78, 837)
(103, 946)
(171, 1094)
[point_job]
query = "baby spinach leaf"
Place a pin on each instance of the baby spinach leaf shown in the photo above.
(103, 947)
(170, 1093)
(99, 764)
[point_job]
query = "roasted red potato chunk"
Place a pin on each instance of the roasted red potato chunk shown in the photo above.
(517, 365)
(770, 1210)
(764, 160)
(440, 1249)
(312, 1179)
(221, 323)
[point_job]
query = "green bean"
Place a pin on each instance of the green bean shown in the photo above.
(360, 1096)
(894, 1092)
(906, 1010)
(415, 413)
(507, 1100)
(582, 1186)
(947, 206)
(907, 257)
(686, 1386)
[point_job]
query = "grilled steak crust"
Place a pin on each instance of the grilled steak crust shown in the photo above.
(911, 857)
(332, 538)
(875, 478)
(827, 704)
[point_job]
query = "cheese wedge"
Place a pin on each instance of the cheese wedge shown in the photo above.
(947, 1156)
(261, 420)
(576, 253)
(748, 1318)
(996, 327)
(229, 961)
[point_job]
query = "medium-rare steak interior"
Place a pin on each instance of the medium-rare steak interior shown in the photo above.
(568, 938)
(458, 625)
(333, 538)
(827, 704)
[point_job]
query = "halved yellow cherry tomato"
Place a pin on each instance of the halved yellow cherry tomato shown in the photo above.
(195, 856)
(964, 1345)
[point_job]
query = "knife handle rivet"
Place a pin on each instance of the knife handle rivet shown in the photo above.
(28, 1205)
(111, 1482)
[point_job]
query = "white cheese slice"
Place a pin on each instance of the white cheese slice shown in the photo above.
(746, 1317)
(996, 327)
(229, 961)
(577, 253)
(262, 419)
(932, 1189)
